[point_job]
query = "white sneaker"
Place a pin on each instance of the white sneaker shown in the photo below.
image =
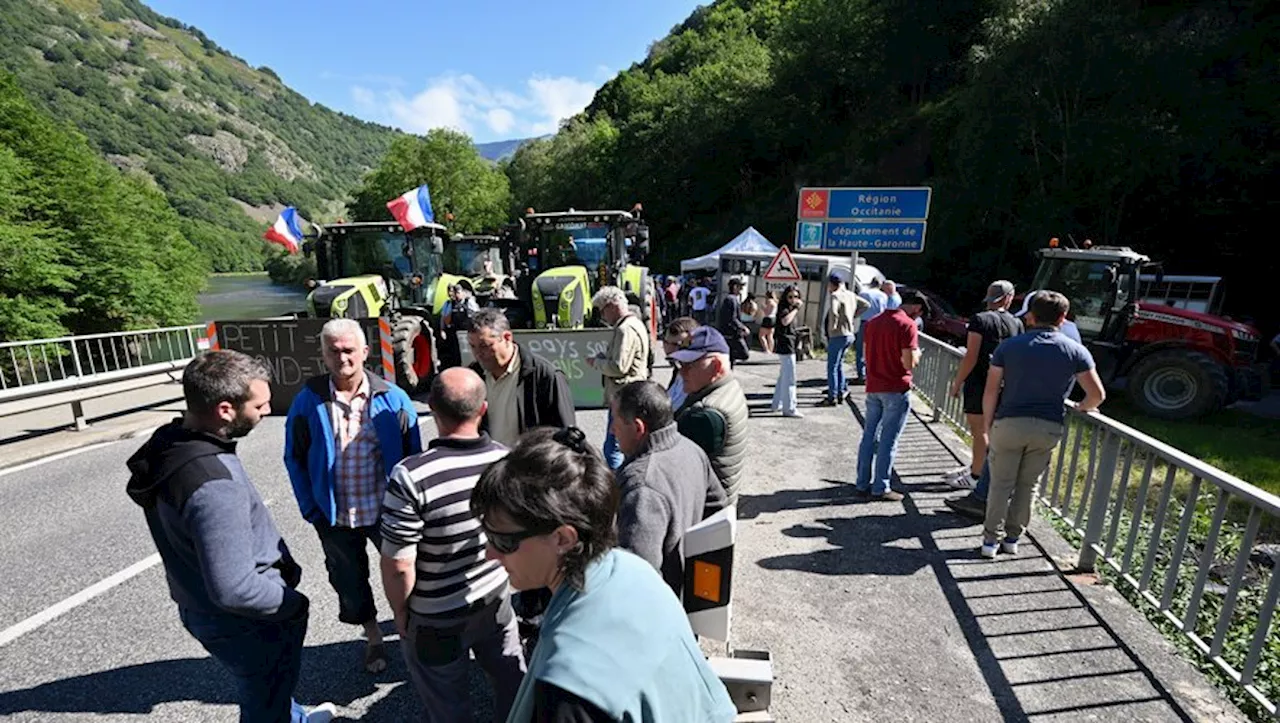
(989, 550)
(1009, 547)
(962, 481)
(946, 476)
(322, 713)
(793, 415)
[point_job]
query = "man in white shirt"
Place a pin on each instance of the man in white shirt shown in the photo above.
(698, 297)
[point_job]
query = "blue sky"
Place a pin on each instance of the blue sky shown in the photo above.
(496, 69)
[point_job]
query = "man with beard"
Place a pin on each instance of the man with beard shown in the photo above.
(228, 570)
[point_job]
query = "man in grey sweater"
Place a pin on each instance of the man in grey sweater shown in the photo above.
(228, 570)
(666, 480)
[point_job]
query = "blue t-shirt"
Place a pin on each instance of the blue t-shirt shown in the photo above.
(877, 300)
(1039, 369)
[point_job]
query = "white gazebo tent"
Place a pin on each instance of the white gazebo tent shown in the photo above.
(748, 241)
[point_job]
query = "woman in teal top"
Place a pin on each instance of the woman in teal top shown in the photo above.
(615, 644)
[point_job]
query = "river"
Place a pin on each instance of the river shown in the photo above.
(247, 297)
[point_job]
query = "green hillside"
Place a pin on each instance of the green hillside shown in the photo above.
(227, 144)
(1152, 125)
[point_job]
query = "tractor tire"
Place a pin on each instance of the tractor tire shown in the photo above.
(415, 363)
(1178, 385)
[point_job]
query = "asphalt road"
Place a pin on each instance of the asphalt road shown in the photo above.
(872, 611)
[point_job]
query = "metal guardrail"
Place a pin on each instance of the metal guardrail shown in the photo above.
(1167, 524)
(50, 372)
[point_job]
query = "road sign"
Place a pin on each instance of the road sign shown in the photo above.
(877, 220)
(783, 267)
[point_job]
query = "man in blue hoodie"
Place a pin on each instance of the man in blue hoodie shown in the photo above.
(228, 570)
(345, 432)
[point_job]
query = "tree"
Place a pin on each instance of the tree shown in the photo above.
(462, 182)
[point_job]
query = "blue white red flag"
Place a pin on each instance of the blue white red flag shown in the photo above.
(413, 208)
(285, 231)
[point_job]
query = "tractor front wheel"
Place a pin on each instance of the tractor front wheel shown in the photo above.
(411, 341)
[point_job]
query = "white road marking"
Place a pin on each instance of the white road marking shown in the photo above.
(54, 458)
(11, 634)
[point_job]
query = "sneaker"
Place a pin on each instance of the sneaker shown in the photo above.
(888, 496)
(862, 494)
(953, 473)
(988, 550)
(1009, 547)
(962, 481)
(827, 402)
(968, 506)
(322, 713)
(793, 415)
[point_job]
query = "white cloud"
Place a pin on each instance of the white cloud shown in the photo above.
(501, 120)
(465, 103)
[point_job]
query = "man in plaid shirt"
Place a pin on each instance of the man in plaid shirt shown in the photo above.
(345, 432)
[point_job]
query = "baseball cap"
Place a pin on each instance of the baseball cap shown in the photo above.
(835, 279)
(998, 290)
(704, 340)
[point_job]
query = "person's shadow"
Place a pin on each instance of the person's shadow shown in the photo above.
(329, 673)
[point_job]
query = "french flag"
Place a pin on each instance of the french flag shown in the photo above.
(285, 231)
(413, 209)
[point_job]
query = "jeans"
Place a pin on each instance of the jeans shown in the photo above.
(836, 384)
(886, 415)
(265, 659)
(784, 390)
(859, 362)
(439, 665)
(612, 452)
(984, 480)
(346, 558)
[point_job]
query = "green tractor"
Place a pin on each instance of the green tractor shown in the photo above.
(378, 270)
(571, 254)
(480, 262)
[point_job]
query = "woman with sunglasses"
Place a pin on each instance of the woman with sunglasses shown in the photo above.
(615, 644)
(784, 390)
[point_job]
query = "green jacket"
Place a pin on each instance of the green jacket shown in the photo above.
(715, 418)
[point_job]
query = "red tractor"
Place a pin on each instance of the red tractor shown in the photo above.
(1174, 363)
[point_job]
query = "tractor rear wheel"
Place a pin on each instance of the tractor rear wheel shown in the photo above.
(1178, 385)
(411, 341)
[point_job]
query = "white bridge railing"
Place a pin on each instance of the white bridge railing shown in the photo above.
(1175, 533)
(68, 370)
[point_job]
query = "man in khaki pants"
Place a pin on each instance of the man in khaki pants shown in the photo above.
(1025, 418)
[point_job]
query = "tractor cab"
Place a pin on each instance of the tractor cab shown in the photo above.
(571, 254)
(368, 268)
(482, 263)
(1174, 362)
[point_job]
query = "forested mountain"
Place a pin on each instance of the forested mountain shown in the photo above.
(226, 143)
(1129, 122)
(83, 247)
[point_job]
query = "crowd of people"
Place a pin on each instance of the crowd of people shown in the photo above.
(507, 537)
(506, 520)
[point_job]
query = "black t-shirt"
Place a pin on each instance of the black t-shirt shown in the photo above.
(994, 327)
(784, 337)
(553, 704)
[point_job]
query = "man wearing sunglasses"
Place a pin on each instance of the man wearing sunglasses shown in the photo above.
(447, 598)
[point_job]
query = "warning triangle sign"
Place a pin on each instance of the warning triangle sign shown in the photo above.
(783, 267)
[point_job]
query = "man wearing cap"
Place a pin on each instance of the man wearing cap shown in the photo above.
(986, 330)
(843, 311)
(729, 323)
(893, 351)
(714, 414)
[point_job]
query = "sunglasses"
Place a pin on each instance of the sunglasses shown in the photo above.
(507, 543)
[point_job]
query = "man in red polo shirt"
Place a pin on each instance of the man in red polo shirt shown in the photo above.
(892, 351)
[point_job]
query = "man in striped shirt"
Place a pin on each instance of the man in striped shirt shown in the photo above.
(447, 598)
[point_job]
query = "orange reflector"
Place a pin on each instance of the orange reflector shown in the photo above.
(706, 581)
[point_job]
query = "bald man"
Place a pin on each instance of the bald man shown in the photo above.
(447, 598)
